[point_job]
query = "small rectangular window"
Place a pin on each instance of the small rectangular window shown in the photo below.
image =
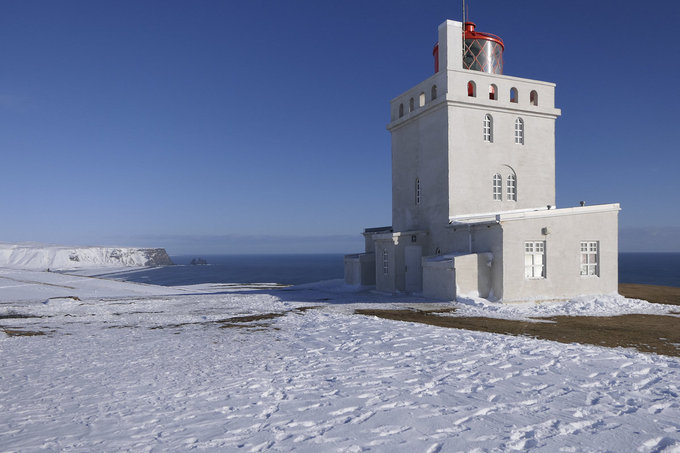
(386, 263)
(417, 191)
(590, 259)
(497, 187)
(512, 188)
(534, 259)
(519, 131)
(488, 128)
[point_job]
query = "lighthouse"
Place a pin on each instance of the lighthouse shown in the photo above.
(473, 189)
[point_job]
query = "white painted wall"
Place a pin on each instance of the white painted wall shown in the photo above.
(360, 269)
(439, 281)
(567, 228)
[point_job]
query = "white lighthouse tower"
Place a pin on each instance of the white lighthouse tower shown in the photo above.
(473, 189)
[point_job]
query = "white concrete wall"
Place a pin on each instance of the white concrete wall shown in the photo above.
(385, 281)
(352, 270)
(437, 80)
(448, 276)
(439, 281)
(479, 239)
(360, 269)
(395, 244)
(457, 90)
(473, 274)
(419, 152)
(473, 161)
(450, 35)
(562, 253)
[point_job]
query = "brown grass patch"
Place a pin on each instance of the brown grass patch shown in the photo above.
(307, 308)
(646, 333)
(21, 333)
(13, 315)
(249, 321)
(652, 293)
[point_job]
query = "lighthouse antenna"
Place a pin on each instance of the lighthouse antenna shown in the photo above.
(463, 40)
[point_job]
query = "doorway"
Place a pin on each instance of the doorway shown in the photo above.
(414, 269)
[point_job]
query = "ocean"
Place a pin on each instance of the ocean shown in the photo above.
(650, 268)
(284, 269)
(646, 268)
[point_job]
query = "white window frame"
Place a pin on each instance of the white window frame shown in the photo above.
(497, 187)
(386, 262)
(590, 258)
(511, 188)
(488, 128)
(519, 131)
(534, 260)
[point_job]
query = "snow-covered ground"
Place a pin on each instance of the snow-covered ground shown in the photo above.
(133, 367)
(42, 256)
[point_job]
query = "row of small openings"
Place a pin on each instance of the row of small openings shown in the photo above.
(493, 93)
(421, 101)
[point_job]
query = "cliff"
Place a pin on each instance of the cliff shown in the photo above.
(40, 256)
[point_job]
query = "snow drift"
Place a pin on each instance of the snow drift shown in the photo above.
(40, 256)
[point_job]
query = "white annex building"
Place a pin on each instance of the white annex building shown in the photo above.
(473, 190)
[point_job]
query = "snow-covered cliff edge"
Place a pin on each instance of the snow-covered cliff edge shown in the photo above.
(40, 256)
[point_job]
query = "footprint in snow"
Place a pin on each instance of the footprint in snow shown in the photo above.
(435, 448)
(344, 410)
(660, 444)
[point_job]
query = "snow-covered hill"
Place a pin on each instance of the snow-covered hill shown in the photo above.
(40, 256)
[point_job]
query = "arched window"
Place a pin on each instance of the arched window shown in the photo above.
(519, 131)
(512, 188)
(493, 92)
(421, 100)
(488, 128)
(533, 98)
(513, 95)
(401, 110)
(417, 191)
(472, 89)
(433, 93)
(497, 187)
(411, 105)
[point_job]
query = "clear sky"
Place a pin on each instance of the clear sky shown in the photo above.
(259, 126)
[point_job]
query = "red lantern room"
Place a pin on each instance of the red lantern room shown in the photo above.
(482, 51)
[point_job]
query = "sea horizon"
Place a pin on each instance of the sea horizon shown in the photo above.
(651, 268)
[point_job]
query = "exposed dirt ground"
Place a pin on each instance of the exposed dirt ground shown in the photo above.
(647, 333)
(658, 294)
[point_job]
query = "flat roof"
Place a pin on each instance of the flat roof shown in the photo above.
(521, 214)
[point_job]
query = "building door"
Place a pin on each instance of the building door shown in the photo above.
(414, 269)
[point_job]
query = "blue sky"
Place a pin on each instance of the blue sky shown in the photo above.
(259, 126)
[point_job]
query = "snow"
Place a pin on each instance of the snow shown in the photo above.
(42, 257)
(132, 367)
(602, 305)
